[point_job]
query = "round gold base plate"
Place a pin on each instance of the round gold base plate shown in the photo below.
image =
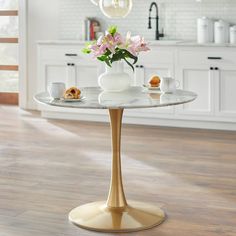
(135, 217)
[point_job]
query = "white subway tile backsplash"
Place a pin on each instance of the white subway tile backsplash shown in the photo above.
(177, 17)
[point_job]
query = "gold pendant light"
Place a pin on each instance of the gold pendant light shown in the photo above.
(116, 8)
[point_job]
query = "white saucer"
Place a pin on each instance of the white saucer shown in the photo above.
(73, 100)
(151, 88)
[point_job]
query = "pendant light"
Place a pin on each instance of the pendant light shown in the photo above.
(95, 2)
(116, 8)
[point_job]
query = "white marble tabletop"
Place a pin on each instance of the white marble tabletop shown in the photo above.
(135, 97)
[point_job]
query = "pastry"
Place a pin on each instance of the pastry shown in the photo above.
(69, 96)
(155, 81)
(72, 93)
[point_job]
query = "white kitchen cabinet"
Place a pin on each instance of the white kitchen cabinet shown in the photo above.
(198, 79)
(87, 74)
(212, 75)
(208, 71)
(225, 105)
(63, 64)
(51, 71)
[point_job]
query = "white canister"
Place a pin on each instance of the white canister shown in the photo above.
(205, 30)
(221, 32)
(233, 34)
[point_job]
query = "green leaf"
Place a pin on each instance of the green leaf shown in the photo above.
(107, 61)
(130, 55)
(117, 56)
(129, 64)
(86, 50)
(102, 58)
(108, 53)
(112, 30)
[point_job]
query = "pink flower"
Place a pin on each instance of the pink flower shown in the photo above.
(138, 45)
(101, 50)
(111, 46)
(98, 50)
(100, 40)
(134, 44)
(118, 39)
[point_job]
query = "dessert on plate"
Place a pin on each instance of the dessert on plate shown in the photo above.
(155, 81)
(72, 93)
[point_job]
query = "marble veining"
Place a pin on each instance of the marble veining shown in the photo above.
(135, 97)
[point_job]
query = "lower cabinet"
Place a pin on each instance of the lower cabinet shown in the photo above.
(226, 92)
(198, 79)
(51, 71)
(87, 74)
(208, 72)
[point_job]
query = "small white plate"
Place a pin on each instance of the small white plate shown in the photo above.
(151, 88)
(73, 100)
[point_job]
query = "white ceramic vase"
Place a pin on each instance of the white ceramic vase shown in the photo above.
(114, 79)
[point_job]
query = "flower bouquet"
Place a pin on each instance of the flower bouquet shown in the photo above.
(114, 49)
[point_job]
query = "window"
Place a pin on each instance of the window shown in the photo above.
(9, 77)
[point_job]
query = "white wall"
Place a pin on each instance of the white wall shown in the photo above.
(178, 17)
(43, 24)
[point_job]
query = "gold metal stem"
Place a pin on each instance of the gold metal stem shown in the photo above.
(116, 197)
(114, 215)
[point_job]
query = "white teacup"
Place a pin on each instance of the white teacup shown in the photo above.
(56, 90)
(169, 85)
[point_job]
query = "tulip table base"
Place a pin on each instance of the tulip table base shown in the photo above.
(136, 216)
(115, 214)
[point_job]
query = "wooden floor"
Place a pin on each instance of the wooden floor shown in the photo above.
(48, 167)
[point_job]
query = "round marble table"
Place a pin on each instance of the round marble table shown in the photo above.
(116, 214)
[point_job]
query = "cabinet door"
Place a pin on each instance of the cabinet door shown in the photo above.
(226, 95)
(198, 79)
(53, 71)
(87, 75)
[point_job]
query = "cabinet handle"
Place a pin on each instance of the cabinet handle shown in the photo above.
(70, 64)
(214, 58)
(216, 68)
(71, 55)
(137, 66)
(211, 68)
(141, 66)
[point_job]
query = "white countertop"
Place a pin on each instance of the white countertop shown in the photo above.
(151, 42)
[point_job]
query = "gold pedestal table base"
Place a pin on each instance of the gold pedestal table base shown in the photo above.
(116, 215)
(134, 217)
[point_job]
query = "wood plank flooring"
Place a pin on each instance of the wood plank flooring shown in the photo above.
(47, 167)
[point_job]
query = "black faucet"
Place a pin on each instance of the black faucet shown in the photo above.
(158, 34)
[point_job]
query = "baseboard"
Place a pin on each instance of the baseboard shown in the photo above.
(142, 121)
